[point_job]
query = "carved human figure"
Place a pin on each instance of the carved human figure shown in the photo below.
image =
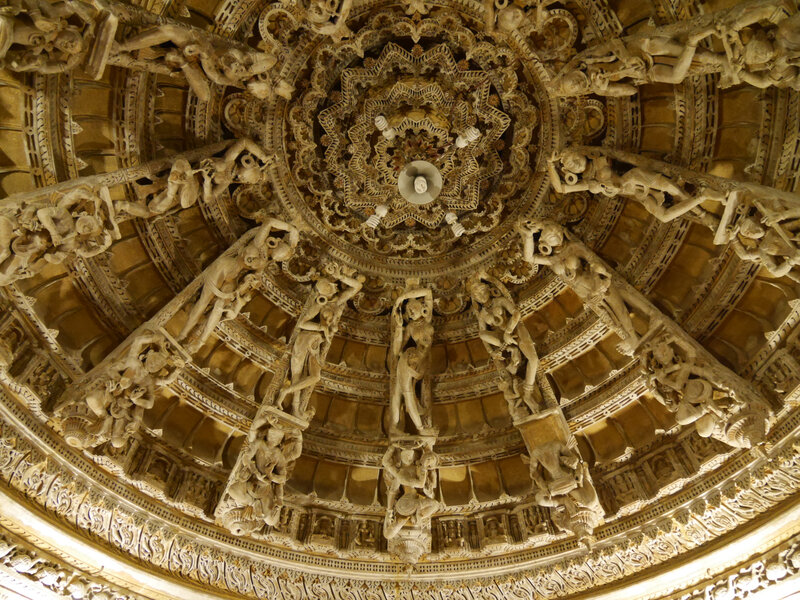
(561, 482)
(364, 538)
(771, 247)
(409, 471)
(573, 171)
(229, 282)
(695, 394)
(82, 222)
(761, 45)
(181, 188)
(409, 359)
(616, 68)
(128, 387)
(582, 271)
(243, 162)
(202, 58)
(267, 462)
(315, 330)
(507, 339)
(36, 35)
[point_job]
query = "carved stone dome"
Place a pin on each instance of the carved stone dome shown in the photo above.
(382, 300)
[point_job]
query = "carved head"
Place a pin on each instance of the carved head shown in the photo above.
(573, 162)
(574, 83)
(758, 50)
(420, 184)
(751, 229)
(274, 436)
(252, 257)
(181, 170)
(406, 456)
(325, 288)
(416, 309)
(552, 237)
(664, 353)
(479, 290)
(250, 171)
(69, 41)
(88, 225)
(154, 361)
(233, 64)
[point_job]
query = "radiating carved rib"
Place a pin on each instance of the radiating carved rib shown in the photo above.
(253, 496)
(561, 480)
(151, 43)
(107, 404)
(617, 67)
(149, 170)
(681, 373)
(760, 222)
(79, 219)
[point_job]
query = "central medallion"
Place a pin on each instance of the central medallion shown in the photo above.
(420, 182)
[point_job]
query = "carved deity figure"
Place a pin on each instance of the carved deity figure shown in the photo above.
(244, 162)
(508, 342)
(409, 470)
(760, 229)
(81, 222)
(617, 67)
(545, 243)
(697, 394)
(255, 495)
(181, 188)
(761, 42)
(127, 388)
(561, 482)
(230, 281)
(315, 330)
(409, 360)
(203, 59)
(574, 171)
(37, 35)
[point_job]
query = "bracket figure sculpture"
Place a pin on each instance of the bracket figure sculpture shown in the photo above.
(508, 342)
(242, 162)
(759, 47)
(411, 477)
(55, 37)
(411, 331)
(202, 58)
(697, 393)
(231, 280)
(314, 333)
(547, 243)
(79, 223)
(119, 390)
(562, 483)
(761, 224)
(685, 377)
(254, 496)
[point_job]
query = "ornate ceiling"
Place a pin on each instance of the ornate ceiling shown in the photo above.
(372, 300)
